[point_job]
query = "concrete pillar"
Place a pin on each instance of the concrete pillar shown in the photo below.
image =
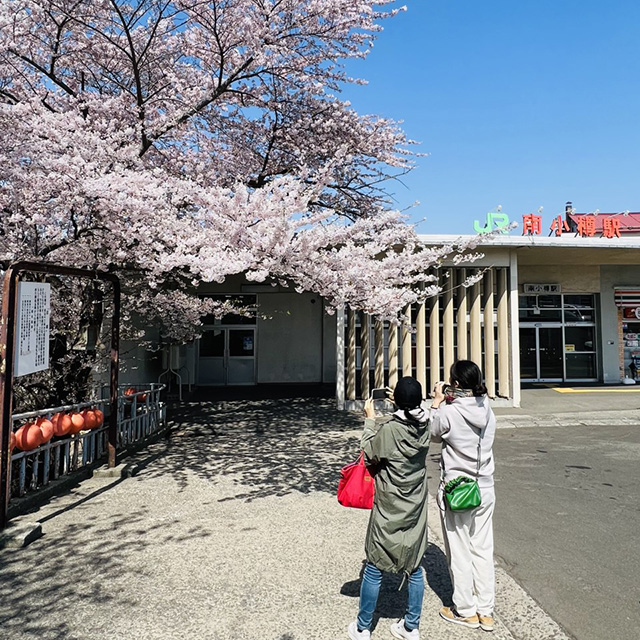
(365, 351)
(351, 355)
(434, 343)
(461, 317)
(393, 355)
(448, 355)
(379, 353)
(340, 381)
(489, 336)
(421, 345)
(475, 326)
(514, 327)
(504, 386)
(406, 343)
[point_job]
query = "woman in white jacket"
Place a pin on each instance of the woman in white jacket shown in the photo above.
(462, 420)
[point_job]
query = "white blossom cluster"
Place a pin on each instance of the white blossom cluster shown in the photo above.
(176, 142)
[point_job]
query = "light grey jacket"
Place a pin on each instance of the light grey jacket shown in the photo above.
(458, 426)
(397, 533)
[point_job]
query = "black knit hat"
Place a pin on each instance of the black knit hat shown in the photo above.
(408, 393)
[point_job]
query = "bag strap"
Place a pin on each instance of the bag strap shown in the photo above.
(478, 455)
(481, 435)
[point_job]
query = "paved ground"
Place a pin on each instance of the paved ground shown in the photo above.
(550, 405)
(230, 530)
(568, 520)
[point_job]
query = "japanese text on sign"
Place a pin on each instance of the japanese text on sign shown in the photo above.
(541, 288)
(32, 328)
(585, 226)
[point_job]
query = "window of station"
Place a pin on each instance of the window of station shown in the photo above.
(562, 308)
(545, 308)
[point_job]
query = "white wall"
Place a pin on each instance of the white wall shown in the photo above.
(138, 365)
(290, 338)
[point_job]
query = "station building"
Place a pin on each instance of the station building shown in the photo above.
(545, 309)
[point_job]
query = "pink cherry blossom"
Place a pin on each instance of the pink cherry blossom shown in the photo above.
(178, 142)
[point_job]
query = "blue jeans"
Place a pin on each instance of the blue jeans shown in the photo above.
(370, 588)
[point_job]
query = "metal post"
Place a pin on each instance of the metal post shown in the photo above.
(115, 347)
(6, 388)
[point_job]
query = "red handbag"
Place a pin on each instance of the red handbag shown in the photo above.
(356, 485)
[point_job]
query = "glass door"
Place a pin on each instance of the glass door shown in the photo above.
(541, 354)
(227, 357)
(529, 353)
(550, 353)
(241, 359)
(212, 360)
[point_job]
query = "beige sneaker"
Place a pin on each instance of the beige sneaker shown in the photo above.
(486, 622)
(451, 615)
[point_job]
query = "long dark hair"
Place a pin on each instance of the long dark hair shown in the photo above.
(467, 375)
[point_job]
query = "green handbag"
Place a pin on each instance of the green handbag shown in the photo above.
(462, 494)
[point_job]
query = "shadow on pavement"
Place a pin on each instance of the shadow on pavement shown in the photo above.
(392, 600)
(47, 587)
(270, 447)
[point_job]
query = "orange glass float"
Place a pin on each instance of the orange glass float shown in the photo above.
(61, 424)
(28, 437)
(46, 427)
(77, 422)
(90, 419)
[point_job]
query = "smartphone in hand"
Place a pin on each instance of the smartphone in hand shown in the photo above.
(379, 394)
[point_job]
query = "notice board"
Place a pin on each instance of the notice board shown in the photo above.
(32, 328)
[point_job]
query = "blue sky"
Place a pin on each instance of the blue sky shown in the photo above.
(519, 103)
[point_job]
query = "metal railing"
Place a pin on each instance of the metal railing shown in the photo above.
(140, 415)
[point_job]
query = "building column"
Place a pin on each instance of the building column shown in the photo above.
(406, 343)
(340, 381)
(621, 367)
(393, 355)
(351, 355)
(365, 351)
(434, 342)
(504, 387)
(489, 336)
(421, 345)
(448, 355)
(515, 327)
(461, 317)
(378, 379)
(475, 325)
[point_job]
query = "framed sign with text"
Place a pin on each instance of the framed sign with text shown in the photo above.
(32, 328)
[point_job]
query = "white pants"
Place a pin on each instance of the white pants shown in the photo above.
(468, 537)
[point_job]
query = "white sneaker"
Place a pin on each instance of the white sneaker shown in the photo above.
(354, 634)
(398, 630)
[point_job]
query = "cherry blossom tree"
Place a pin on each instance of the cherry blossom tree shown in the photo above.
(177, 142)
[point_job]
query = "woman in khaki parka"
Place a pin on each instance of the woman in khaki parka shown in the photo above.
(396, 449)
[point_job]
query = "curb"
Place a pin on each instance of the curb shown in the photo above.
(20, 534)
(583, 418)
